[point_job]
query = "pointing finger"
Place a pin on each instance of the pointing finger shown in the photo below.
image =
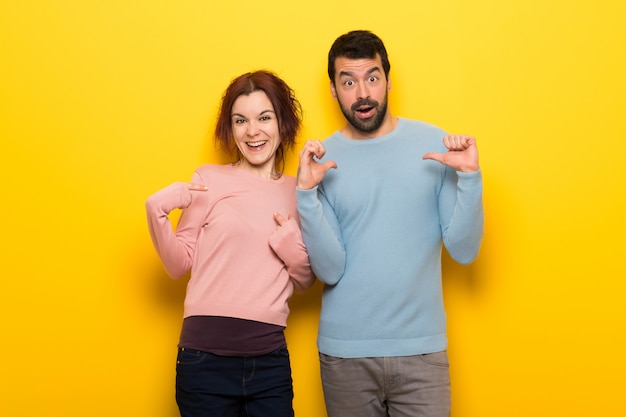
(279, 219)
(198, 187)
(433, 155)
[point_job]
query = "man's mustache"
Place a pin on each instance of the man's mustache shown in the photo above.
(364, 102)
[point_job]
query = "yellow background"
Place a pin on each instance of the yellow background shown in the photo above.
(104, 102)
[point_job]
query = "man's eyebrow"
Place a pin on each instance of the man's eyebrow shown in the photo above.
(350, 73)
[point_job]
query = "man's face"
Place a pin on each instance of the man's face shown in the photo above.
(361, 89)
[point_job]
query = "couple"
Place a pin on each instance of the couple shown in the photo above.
(366, 215)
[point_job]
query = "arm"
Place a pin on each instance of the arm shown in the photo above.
(321, 234)
(461, 213)
(320, 228)
(460, 198)
(288, 245)
(174, 249)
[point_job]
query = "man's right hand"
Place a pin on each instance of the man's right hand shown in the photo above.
(311, 172)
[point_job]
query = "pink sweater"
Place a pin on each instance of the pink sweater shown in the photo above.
(242, 263)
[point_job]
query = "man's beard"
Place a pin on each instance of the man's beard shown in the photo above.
(370, 124)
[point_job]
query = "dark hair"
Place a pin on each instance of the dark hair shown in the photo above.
(355, 45)
(286, 106)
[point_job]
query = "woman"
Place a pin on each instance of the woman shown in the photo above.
(239, 235)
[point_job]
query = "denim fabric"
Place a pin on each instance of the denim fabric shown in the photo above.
(398, 386)
(226, 386)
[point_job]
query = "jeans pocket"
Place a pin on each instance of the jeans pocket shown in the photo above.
(190, 356)
(436, 359)
(280, 353)
(330, 360)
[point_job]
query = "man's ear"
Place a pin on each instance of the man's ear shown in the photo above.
(333, 90)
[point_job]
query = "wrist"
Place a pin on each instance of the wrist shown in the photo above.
(469, 168)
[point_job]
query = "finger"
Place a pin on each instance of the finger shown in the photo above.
(448, 141)
(308, 150)
(456, 142)
(452, 142)
(329, 165)
(315, 148)
(198, 187)
(320, 150)
(279, 219)
(434, 156)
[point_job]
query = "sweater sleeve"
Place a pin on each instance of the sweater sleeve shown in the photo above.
(320, 231)
(288, 245)
(461, 211)
(175, 249)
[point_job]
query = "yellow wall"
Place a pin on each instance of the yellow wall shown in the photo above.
(104, 102)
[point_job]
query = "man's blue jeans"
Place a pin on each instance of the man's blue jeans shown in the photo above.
(224, 386)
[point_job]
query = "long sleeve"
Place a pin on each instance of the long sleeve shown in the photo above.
(175, 249)
(321, 235)
(288, 245)
(462, 227)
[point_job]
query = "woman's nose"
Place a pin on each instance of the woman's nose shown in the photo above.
(253, 129)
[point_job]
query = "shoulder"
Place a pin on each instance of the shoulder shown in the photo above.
(334, 139)
(212, 170)
(286, 182)
(421, 127)
(422, 135)
(288, 179)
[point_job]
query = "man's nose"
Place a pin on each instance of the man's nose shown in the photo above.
(362, 91)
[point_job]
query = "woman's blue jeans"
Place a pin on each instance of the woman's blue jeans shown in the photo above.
(225, 386)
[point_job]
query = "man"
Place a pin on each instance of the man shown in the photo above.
(376, 200)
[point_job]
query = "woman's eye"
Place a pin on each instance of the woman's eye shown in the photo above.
(239, 121)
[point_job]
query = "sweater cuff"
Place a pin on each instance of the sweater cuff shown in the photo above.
(470, 177)
(307, 198)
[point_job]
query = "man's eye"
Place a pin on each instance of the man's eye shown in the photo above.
(349, 83)
(373, 79)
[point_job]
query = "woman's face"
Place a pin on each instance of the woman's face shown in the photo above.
(256, 133)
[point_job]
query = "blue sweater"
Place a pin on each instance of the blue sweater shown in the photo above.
(374, 229)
